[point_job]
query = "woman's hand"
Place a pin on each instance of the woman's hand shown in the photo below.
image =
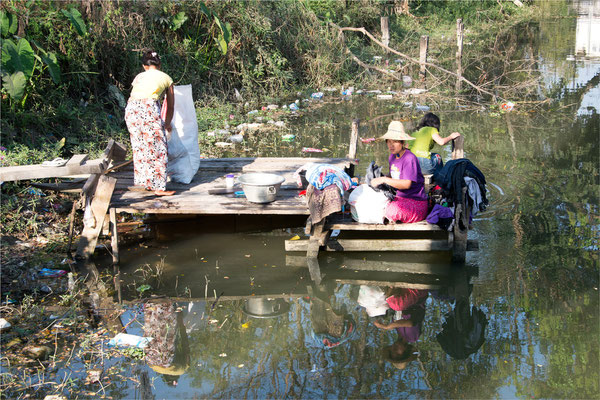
(378, 181)
(454, 135)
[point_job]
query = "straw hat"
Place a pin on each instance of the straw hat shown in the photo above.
(396, 132)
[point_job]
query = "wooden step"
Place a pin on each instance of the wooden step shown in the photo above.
(357, 226)
(380, 245)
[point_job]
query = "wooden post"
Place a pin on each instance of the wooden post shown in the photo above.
(385, 32)
(459, 48)
(354, 138)
(461, 229)
(424, 44)
(114, 237)
(458, 146)
(353, 144)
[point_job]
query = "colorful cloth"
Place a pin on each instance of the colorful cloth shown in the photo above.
(150, 85)
(322, 203)
(148, 143)
(323, 175)
(406, 210)
(407, 167)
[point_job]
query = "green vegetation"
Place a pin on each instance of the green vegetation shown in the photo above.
(64, 62)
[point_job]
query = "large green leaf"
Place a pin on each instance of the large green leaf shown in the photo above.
(14, 84)
(19, 57)
(222, 44)
(53, 68)
(8, 23)
(76, 20)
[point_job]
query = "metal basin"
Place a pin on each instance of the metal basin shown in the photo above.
(261, 187)
(261, 307)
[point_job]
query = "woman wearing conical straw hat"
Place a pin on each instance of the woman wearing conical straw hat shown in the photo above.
(410, 204)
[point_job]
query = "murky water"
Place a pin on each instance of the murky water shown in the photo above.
(534, 279)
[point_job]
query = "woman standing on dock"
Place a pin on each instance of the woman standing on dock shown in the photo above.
(428, 132)
(146, 129)
(410, 204)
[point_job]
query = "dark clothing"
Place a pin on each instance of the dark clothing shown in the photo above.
(374, 171)
(463, 332)
(451, 179)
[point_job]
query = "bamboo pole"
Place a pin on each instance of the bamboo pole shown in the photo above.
(459, 48)
(424, 44)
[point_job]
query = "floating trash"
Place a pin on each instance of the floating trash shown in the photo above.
(415, 91)
(508, 106)
(252, 112)
(288, 138)
(385, 97)
(223, 144)
(293, 107)
(367, 140)
(128, 340)
(236, 138)
(406, 81)
(317, 95)
(420, 107)
(311, 150)
(272, 107)
(280, 124)
(51, 273)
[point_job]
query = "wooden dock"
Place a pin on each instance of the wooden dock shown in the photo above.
(109, 191)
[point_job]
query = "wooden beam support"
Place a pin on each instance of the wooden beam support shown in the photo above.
(99, 207)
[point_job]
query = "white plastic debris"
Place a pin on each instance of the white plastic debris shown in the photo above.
(4, 325)
(128, 340)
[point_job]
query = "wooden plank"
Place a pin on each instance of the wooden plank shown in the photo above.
(77, 159)
(420, 286)
(99, 206)
(357, 226)
(380, 245)
(387, 266)
(379, 266)
(38, 171)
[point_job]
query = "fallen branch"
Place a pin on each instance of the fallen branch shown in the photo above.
(407, 57)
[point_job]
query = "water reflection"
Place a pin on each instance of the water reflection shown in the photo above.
(334, 339)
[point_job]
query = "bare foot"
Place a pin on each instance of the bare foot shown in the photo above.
(164, 192)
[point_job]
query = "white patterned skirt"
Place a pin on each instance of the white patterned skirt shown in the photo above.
(148, 143)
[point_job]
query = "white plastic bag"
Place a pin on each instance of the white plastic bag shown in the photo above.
(372, 298)
(367, 205)
(183, 150)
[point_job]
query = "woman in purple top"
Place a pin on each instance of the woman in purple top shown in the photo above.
(410, 204)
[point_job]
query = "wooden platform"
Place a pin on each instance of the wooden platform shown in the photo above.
(196, 198)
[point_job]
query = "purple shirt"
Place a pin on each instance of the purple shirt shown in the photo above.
(407, 167)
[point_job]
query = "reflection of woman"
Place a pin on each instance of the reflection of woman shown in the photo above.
(168, 352)
(428, 132)
(409, 305)
(146, 129)
(411, 203)
(330, 327)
